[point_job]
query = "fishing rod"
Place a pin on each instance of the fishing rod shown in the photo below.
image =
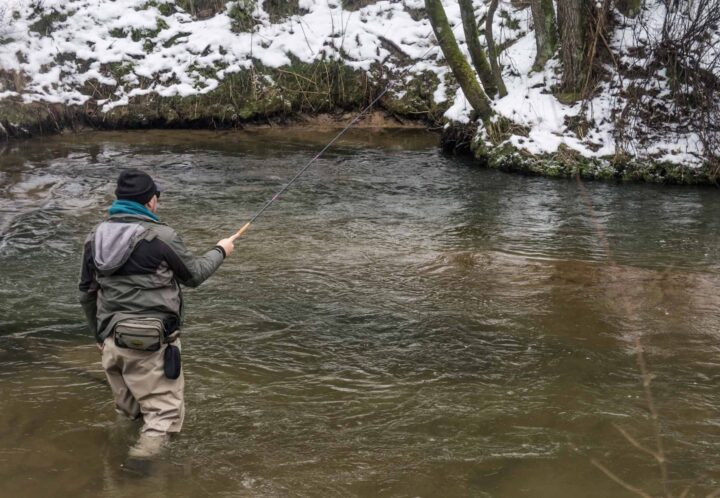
(309, 163)
(329, 144)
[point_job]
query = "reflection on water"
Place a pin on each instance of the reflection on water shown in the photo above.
(399, 324)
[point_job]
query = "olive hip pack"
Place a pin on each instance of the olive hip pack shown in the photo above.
(142, 334)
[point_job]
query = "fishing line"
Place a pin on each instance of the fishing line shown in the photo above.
(329, 144)
(309, 163)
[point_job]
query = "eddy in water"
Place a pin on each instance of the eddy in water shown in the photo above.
(132, 269)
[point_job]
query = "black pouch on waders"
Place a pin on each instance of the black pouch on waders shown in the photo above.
(172, 362)
(142, 334)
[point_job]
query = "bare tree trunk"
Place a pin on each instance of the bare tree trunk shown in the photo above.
(572, 23)
(492, 50)
(477, 54)
(456, 60)
(545, 31)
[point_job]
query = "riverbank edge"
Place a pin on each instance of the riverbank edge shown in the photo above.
(567, 163)
(259, 95)
(22, 121)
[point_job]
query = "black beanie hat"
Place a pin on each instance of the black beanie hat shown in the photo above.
(135, 185)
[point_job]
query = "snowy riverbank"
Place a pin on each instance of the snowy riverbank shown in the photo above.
(140, 63)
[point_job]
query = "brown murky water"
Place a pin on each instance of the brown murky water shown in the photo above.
(400, 324)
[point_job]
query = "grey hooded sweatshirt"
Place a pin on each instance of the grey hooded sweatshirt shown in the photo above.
(133, 266)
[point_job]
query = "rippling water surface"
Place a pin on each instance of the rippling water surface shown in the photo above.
(399, 324)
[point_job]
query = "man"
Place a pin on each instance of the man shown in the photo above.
(132, 269)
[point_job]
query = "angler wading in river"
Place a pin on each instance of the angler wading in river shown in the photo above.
(132, 269)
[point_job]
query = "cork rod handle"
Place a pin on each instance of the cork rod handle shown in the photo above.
(240, 232)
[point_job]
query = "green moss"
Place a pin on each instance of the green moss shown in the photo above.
(279, 10)
(479, 149)
(207, 71)
(568, 98)
(416, 98)
(509, 21)
(146, 35)
(138, 34)
(46, 23)
(118, 33)
(177, 37)
(664, 172)
(567, 163)
(20, 120)
(119, 69)
(166, 8)
(259, 93)
(357, 4)
(241, 16)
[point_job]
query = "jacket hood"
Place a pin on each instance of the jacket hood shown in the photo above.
(113, 243)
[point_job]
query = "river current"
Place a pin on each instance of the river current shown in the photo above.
(399, 324)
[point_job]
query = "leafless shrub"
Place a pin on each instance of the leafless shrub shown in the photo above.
(658, 452)
(629, 308)
(674, 82)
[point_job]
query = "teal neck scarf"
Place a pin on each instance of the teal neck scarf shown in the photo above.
(131, 207)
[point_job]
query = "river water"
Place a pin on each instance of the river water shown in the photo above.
(401, 323)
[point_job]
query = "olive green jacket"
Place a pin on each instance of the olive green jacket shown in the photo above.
(133, 267)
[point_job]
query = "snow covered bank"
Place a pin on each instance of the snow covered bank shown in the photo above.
(142, 47)
(151, 63)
